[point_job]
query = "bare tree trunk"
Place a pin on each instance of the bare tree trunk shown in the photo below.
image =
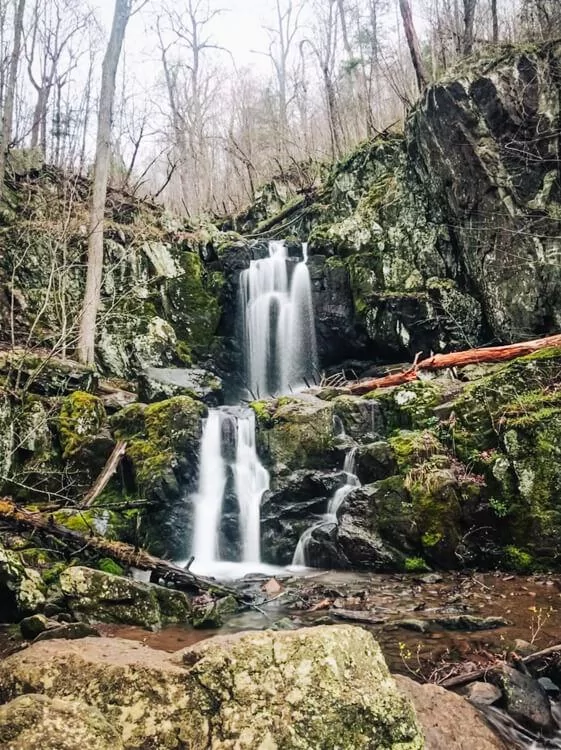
(8, 114)
(86, 339)
(413, 44)
(495, 21)
(469, 19)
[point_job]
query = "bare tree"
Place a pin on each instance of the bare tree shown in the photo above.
(413, 44)
(469, 22)
(86, 340)
(8, 108)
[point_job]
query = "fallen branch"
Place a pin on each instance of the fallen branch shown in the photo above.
(489, 354)
(126, 554)
(108, 470)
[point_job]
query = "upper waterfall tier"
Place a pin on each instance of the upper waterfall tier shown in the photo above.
(278, 324)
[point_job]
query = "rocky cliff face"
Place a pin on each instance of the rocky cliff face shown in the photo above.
(442, 238)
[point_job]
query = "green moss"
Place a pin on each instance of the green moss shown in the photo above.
(51, 575)
(107, 565)
(412, 448)
(408, 406)
(264, 411)
(415, 565)
(517, 559)
(81, 416)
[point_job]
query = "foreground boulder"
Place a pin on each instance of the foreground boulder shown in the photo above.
(449, 722)
(54, 724)
(324, 687)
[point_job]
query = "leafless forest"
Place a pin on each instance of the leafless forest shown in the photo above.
(201, 131)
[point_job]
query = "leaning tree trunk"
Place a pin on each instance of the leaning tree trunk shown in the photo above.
(413, 44)
(469, 21)
(8, 114)
(90, 304)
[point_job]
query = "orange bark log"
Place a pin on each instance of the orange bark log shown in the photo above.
(490, 354)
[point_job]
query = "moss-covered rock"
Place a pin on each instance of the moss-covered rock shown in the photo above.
(163, 447)
(324, 687)
(21, 589)
(94, 596)
(295, 432)
(82, 430)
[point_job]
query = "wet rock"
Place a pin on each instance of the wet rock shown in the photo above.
(449, 721)
(524, 648)
(30, 627)
(359, 416)
(291, 507)
(37, 721)
(375, 461)
(68, 631)
(524, 698)
(157, 384)
(549, 686)
(483, 693)
(470, 622)
(210, 613)
(324, 687)
(421, 626)
(21, 588)
(93, 596)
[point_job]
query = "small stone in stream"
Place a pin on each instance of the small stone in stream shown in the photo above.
(285, 623)
(483, 693)
(549, 686)
(30, 627)
(470, 622)
(524, 648)
(272, 587)
(421, 626)
(525, 699)
(430, 578)
(71, 631)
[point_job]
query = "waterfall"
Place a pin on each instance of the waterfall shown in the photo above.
(251, 480)
(300, 558)
(278, 323)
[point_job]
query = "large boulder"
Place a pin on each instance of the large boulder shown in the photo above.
(94, 596)
(326, 687)
(449, 721)
(33, 721)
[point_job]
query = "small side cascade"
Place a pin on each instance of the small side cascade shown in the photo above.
(278, 323)
(251, 480)
(300, 558)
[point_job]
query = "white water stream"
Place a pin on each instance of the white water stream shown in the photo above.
(278, 324)
(280, 356)
(301, 555)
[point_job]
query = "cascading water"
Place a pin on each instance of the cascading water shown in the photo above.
(251, 480)
(300, 558)
(280, 355)
(278, 323)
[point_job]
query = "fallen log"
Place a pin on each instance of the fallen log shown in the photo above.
(126, 554)
(465, 679)
(108, 470)
(488, 355)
